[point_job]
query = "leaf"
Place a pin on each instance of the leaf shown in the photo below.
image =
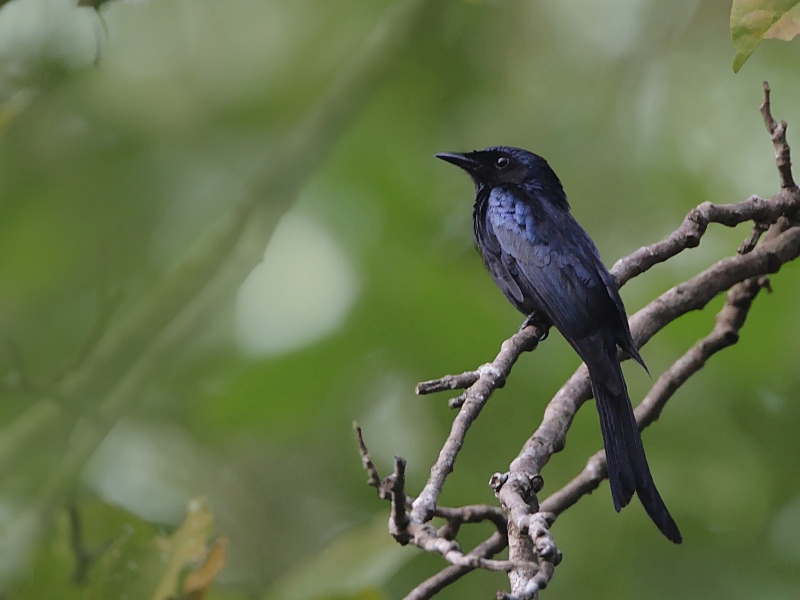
(184, 549)
(129, 565)
(787, 27)
(197, 582)
(755, 20)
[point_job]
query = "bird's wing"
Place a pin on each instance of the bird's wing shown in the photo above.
(492, 254)
(560, 273)
(623, 331)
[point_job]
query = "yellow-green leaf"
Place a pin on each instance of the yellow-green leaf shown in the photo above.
(197, 582)
(787, 27)
(186, 547)
(755, 20)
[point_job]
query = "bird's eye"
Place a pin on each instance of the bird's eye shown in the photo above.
(501, 163)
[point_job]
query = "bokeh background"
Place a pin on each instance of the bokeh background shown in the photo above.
(113, 176)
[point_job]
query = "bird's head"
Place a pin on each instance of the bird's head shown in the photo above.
(505, 165)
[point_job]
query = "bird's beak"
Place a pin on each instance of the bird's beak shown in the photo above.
(465, 161)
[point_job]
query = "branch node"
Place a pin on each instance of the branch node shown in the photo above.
(497, 481)
(489, 370)
(399, 521)
(458, 401)
(777, 133)
(750, 243)
(448, 382)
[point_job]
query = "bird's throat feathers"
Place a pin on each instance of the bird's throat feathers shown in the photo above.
(539, 191)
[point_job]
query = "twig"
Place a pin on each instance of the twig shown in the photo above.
(424, 535)
(399, 521)
(694, 226)
(491, 376)
(449, 575)
(448, 382)
(366, 461)
(84, 557)
(455, 517)
(777, 132)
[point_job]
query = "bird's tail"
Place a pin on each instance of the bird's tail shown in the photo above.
(628, 471)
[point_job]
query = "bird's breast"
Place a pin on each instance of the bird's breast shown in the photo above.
(507, 210)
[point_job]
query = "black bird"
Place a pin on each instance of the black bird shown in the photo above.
(550, 270)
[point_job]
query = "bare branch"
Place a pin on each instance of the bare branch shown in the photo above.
(694, 226)
(492, 376)
(374, 479)
(777, 131)
(448, 576)
(529, 584)
(399, 522)
(448, 382)
(455, 517)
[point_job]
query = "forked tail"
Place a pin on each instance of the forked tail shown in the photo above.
(628, 471)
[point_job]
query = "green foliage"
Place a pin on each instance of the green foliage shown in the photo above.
(127, 557)
(353, 566)
(756, 20)
(111, 177)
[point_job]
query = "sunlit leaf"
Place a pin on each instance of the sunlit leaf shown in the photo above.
(197, 583)
(184, 549)
(755, 20)
(787, 27)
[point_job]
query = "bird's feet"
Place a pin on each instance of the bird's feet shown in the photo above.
(540, 322)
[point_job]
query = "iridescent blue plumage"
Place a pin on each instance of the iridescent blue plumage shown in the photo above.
(547, 265)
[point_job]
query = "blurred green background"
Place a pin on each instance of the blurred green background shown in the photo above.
(111, 177)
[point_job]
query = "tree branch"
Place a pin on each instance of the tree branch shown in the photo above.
(491, 377)
(449, 575)
(777, 132)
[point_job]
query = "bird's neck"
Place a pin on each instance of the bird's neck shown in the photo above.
(548, 191)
